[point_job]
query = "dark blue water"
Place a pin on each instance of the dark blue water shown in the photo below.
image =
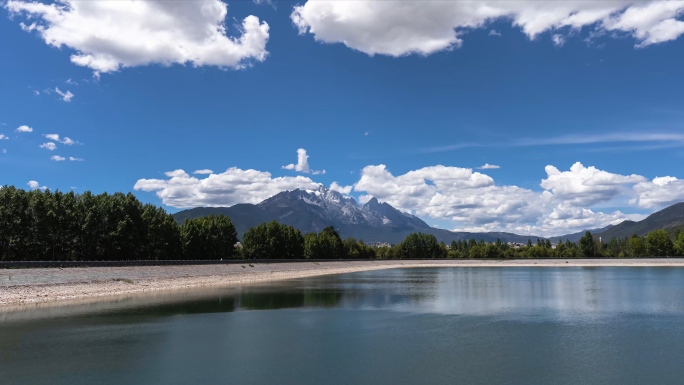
(404, 326)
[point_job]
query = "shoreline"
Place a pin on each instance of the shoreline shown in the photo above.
(41, 285)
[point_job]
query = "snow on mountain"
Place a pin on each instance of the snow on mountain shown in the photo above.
(334, 207)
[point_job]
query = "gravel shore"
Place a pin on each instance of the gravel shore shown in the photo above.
(25, 286)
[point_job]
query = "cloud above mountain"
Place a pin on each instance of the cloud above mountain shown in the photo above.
(569, 200)
(223, 189)
(302, 164)
(398, 28)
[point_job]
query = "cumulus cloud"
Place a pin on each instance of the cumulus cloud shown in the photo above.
(488, 166)
(24, 128)
(586, 186)
(224, 189)
(569, 201)
(346, 190)
(302, 164)
(66, 96)
(452, 193)
(659, 192)
(204, 171)
(398, 28)
(57, 158)
(475, 203)
(109, 35)
(48, 146)
(66, 140)
(35, 185)
(3, 137)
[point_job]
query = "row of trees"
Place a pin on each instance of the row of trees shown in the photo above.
(42, 225)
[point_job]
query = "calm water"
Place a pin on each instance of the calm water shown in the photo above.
(403, 326)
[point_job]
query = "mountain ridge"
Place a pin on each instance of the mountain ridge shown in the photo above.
(313, 210)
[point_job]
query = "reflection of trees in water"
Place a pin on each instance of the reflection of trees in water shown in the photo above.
(257, 300)
(380, 289)
(220, 304)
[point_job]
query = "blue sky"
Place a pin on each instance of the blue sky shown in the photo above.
(402, 101)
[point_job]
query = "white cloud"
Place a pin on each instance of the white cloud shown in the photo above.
(656, 140)
(616, 137)
(48, 146)
(586, 186)
(66, 96)
(35, 185)
(66, 140)
(494, 32)
(452, 193)
(71, 82)
(488, 166)
(3, 137)
(570, 201)
(346, 190)
(57, 158)
(71, 158)
(302, 164)
(661, 191)
(109, 35)
(475, 203)
(224, 189)
(558, 40)
(398, 28)
(651, 22)
(36, 92)
(4, 151)
(204, 171)
(24, 128)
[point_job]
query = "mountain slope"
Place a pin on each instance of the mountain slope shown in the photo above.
(575, 237)
(313, 210)
(666, 218)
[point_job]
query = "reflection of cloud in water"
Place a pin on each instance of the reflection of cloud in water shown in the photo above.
(555, 291)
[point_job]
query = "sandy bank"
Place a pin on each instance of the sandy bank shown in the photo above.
(24, 286)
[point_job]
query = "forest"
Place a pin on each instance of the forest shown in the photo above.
(42, 225)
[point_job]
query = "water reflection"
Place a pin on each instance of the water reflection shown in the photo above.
(404, 326)
(267, 300)
(541, 292)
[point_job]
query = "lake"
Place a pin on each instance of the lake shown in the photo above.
(519, 325)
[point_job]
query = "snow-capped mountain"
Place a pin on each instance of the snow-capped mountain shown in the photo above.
(330, 206)
(314, 210)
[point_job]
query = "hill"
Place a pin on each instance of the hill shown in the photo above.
(668, 218)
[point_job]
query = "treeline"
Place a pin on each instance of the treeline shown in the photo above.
(45, 225)
(658, 243)
(55, 226)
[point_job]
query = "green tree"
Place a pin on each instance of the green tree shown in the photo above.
(587, 245)
(679, 245)
(636, 246)
(163, 240)
(658, 244)
(273, 241)
(211, 237)
(419, 245)
(325, 245)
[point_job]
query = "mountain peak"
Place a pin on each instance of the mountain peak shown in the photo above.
(373, 202)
